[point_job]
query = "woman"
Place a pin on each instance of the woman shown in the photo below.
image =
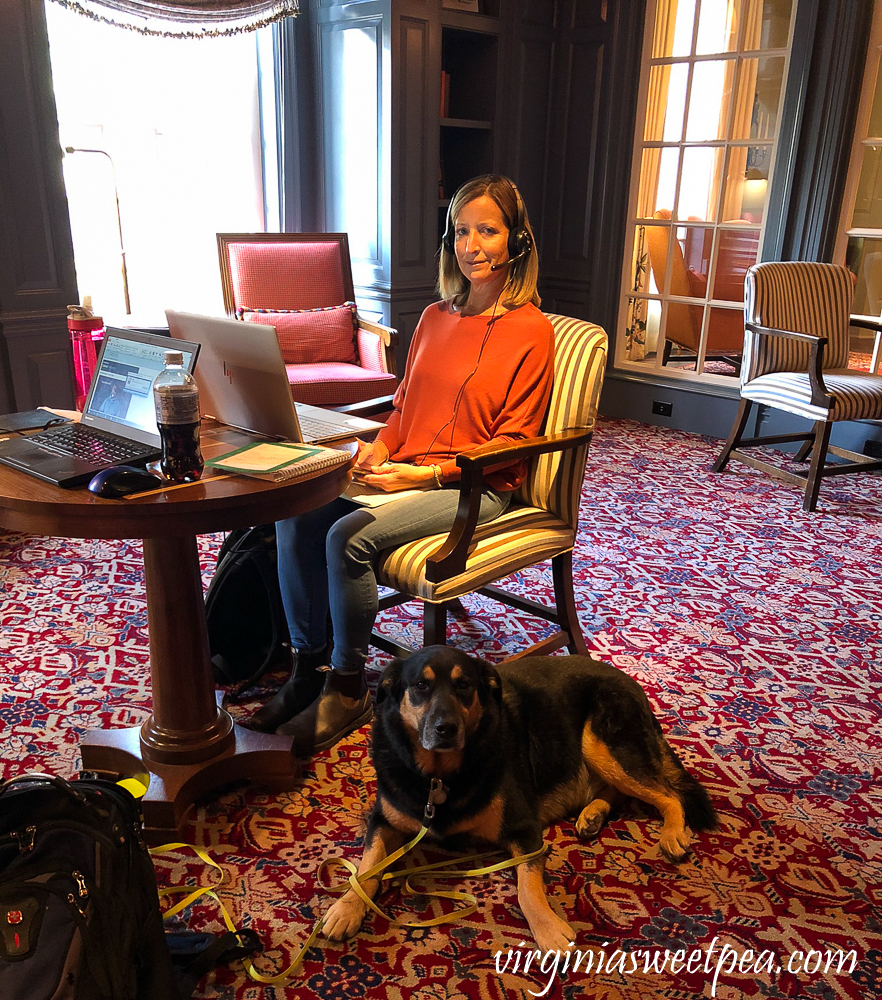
(479, 369)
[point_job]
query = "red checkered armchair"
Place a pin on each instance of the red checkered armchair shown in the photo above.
(301, 283)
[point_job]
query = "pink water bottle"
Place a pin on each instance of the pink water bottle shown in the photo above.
(86, 332)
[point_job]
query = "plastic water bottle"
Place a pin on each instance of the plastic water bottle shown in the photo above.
(86, 333)
(176, 396)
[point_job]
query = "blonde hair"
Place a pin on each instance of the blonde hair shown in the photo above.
(523, 274)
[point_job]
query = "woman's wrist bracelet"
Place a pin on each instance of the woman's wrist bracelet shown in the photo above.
(436, 472)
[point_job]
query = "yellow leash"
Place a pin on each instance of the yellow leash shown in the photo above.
(436, 870)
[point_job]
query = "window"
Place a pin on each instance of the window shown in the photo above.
(711, 92)
(166, 144)
(860, 242)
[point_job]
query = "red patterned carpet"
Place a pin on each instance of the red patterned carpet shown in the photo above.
(756, 630)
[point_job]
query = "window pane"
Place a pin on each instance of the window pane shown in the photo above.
(737, 252)
(678, 269)
(698, 185)
(868, 203)
(767, 24)
(656, 241)
(864, 258)
(875, 128)
(674, 21)
(717, 27)
(759, 93)
(658, 180)
(640, 265)
(697, 244)
(725, 333)
(709, 100)
(666, 103)
(747, 184)
(682, 326)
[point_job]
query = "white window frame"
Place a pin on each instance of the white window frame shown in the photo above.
(654, 369)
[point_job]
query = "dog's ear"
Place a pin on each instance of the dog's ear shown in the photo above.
(491, 680)
(390, 682)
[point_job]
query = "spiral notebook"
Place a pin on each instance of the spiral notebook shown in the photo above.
(277, 461)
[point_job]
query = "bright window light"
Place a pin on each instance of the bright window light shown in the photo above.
(171, 128)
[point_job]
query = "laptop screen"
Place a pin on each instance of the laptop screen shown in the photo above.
(120, 397)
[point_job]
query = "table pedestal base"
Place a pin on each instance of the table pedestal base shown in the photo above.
(263, 758)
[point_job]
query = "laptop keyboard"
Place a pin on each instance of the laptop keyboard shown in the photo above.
(313, 429)
(92, 445)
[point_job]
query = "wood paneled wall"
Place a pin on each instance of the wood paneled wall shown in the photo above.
(565, 91)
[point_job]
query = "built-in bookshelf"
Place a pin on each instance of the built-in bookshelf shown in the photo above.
(467, 112)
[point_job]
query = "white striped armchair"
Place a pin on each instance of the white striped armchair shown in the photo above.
(539, 524)
(796, 360)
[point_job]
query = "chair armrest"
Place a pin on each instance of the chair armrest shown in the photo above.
(387, 334)
(388, 339)
(451, 557)
(770, 331)
(366, 408)
(820, 396)
(866, 322)
(514, 451)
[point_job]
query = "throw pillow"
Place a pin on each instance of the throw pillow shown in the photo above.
(310, 336)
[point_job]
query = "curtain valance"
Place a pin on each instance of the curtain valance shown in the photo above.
(202, 18)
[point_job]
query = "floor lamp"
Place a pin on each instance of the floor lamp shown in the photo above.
(122, 249)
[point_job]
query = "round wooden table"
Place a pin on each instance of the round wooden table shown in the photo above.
(189, 745)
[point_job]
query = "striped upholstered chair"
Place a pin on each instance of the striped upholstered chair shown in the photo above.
(539, 524)
(301, 283)
(796, 359)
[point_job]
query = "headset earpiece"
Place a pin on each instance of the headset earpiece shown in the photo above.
(519, 241)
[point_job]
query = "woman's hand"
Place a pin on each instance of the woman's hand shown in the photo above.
(394, 476)
(370, 453)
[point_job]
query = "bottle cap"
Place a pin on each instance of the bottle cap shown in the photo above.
(174, 358)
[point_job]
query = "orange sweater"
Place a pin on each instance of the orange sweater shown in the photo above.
(449, 401)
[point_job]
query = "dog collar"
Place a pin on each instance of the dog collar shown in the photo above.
(437, 796)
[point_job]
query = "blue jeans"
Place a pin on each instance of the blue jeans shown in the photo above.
(327, 558)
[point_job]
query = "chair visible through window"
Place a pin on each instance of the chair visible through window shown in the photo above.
(796, 360)
(301, 283)
(539, 524)
(725, 332)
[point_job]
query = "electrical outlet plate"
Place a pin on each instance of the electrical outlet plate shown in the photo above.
(661, 408)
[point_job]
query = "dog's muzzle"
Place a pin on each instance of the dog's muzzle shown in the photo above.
(442, 729)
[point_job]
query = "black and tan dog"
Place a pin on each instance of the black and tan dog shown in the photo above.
(517, 747)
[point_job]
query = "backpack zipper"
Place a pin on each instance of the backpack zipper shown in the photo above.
(81, 885)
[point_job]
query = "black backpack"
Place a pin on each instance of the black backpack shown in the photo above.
(247, 630)
(79, 908)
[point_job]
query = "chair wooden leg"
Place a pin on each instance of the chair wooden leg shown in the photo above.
(565, 600)
(735, 435)
(434, 624)
(805, 449)
(819, 455)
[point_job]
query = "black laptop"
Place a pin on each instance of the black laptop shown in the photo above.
(118, 426)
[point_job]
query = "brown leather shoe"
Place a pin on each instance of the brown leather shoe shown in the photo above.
(332, 715)
(297, 693)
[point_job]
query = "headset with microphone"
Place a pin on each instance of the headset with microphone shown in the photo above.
(511, 260)
(520, 243)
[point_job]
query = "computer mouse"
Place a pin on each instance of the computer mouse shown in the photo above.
(121, 480)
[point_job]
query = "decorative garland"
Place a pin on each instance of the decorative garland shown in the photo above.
(252, 16)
